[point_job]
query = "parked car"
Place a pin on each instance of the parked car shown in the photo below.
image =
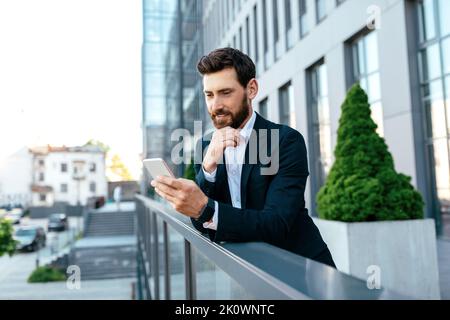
(30, 238)
(13, 217)
(58, 222)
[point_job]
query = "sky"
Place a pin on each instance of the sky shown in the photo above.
(70, 72)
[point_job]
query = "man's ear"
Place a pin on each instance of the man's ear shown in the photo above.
(252, 89)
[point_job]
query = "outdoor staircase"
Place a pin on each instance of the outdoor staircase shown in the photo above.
(102, 224)
(108, 248)
(106, 262)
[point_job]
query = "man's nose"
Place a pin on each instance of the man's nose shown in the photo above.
(216, 104)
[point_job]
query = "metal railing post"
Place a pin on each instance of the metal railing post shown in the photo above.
(189, 272)
(166, 261)
(155, 255)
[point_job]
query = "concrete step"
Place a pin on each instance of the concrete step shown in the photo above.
(108, 234)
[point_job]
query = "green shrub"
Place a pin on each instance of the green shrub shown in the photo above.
(362, 184)
(46, 274)
(189, 172)
(7, 243)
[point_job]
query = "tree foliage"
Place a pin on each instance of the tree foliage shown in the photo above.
(7, 243)
(119, 169)
(362, 184)
(103, 146)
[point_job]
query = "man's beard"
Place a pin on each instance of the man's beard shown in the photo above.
(235, 120)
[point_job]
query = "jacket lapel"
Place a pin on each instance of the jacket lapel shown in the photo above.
(251, 156)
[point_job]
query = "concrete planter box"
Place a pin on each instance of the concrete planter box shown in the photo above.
(405, 251)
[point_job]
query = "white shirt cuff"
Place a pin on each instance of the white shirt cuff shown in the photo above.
(211, 177)
(212, 224)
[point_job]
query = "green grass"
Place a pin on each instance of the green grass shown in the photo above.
(46, 274)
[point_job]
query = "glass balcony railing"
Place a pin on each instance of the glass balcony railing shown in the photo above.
(177, 262)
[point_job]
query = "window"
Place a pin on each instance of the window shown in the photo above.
(64, 188)
(42, 197)
(434, 62)
(263, 108)
(232, 8)
(247, 35)
(366, 71)
(255, 30)
(265, 36)
(276, 29)
(319, 113)
(92, 167)
(338, 2)
(41, 176)
(63, 167)
(241, 42)
(302, 16)
(228, 12)
(288, 24)
(41, 162)
(92, 187)
(321, 10)
(286, 105)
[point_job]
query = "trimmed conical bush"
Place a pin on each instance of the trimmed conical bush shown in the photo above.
(362, 184)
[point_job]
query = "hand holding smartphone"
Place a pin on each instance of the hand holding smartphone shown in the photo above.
(158, 167)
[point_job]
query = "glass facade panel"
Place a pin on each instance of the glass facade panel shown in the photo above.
(428, 27)
(434, 51)
(263, 108)
(444, 14)
(446, 55)
(321, 125)
(321, 10)
(366, 71)
(286, 105)
(302, 8)
(431, 63)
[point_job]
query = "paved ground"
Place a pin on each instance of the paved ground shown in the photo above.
(14, 272)
(443, 247)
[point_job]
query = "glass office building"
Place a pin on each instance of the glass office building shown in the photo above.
(308, 53)
(171, 97)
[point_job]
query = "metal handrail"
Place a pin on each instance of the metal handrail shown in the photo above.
(265, 271)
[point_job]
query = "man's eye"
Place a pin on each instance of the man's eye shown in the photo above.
(227, 93)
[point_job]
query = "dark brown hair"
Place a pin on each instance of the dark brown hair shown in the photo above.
(223, 58)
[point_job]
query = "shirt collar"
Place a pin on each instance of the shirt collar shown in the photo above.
(246, 131)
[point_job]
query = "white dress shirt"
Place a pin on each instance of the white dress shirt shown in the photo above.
(234, 158)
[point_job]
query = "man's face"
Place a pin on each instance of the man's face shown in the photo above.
(226, 99)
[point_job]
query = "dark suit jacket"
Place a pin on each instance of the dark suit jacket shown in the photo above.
(273, 206)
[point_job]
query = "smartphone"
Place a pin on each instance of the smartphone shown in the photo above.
(158, 167)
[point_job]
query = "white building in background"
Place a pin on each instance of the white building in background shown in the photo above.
(67, 174)
(16, 178)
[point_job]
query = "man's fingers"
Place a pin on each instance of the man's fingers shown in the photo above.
(165, 195)
(229, 143)
(171, 182)
(166, 189)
